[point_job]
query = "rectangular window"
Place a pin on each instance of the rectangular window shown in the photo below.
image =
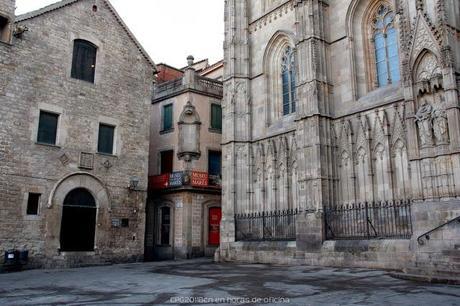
(216, 117)
(84, 60)
(33, 204)
(167, 158)
(167, 117)
(165, 227)
(215, 163)
(47, 128)
(105, 140)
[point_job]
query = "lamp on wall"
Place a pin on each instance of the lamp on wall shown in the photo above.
(133, 183)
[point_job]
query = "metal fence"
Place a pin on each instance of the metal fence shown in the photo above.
(266, 226)
(378, 220)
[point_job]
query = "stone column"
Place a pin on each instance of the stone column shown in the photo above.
(314, 127)
(236, 118)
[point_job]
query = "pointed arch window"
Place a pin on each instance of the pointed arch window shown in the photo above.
(288, 75)
(385, 39)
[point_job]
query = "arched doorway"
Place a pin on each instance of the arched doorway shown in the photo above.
(78, 223)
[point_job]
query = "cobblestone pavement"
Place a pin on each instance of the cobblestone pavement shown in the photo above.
(172, 283)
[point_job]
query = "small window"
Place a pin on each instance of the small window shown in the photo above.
(84, 60)
(215, 163)
(47, 128)
(216, 117)
(33, 204)
(167, 117)
(4, 29)
(124, 222)
(165, 225)
(105, 140)
(167, 158)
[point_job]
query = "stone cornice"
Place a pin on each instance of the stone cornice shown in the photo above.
(274, 14)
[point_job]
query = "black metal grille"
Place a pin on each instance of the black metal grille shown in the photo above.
(266, 226)
(378, 220)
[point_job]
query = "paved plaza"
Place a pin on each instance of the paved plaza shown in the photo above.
(207, 283)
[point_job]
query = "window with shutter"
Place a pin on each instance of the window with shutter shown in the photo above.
(47, 128)
(84, 60)
(106, 137)
(167, 117)
(216, 117)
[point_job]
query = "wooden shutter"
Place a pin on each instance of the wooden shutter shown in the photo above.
(167, 117)
(216, 117)
(105, 141)
(84, 60)
(47, 128)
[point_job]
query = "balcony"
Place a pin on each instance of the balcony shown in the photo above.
(180, 179)
(197, 83)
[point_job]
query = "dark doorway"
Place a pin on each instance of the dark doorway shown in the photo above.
(165, 229)
(166, 159)
(78, 221)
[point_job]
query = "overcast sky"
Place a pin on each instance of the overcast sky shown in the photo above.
(169, 30)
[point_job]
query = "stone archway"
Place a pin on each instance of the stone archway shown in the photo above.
(78, 224)
(57, 202)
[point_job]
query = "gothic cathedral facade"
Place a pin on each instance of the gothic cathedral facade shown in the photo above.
(341, 141)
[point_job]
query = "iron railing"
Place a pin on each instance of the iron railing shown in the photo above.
(266, 226)
(426, 236)
(377, 220)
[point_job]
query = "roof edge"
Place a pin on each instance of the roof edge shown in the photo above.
(64, 3)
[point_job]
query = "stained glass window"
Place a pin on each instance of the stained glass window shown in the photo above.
(385, 38)
(288, 76)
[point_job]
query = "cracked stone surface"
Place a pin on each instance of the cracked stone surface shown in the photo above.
(169, 283)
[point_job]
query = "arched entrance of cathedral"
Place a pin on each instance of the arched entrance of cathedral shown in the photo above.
(78, 224)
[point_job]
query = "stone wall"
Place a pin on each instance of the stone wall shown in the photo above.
(189, 229)
(350, 140)
(36, 76)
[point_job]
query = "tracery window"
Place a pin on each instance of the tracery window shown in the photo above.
(288, 76)
(385, 40)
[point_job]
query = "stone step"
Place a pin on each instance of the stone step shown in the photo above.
(438, 279)
(450, 253)
(432, 271)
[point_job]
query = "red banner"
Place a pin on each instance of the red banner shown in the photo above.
(159, 181)
(200, 179)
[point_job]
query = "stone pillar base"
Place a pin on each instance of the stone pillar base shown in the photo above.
(310, 232)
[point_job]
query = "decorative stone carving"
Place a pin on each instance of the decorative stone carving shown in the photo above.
(425, 126)
(440, 126)
(189, 134)
(65, 159)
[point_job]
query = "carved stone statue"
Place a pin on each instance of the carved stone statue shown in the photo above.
(425, 125)
(440, 126)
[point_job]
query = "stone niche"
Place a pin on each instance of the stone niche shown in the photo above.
(431, 117)
(189, 134)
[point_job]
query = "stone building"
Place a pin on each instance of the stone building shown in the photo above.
(342, 133)
(75, 95)
(183, 216)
